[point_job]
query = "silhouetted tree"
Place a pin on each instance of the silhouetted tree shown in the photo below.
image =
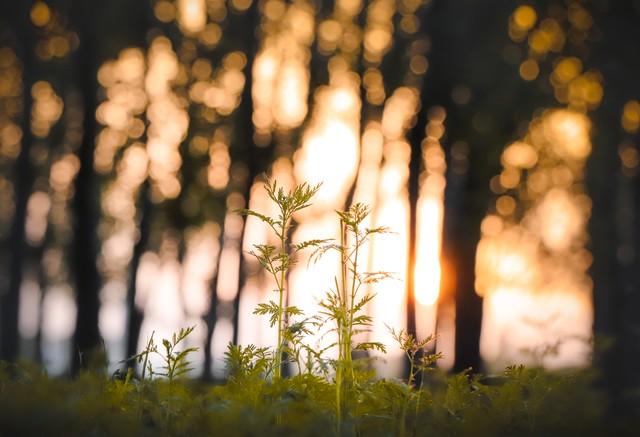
(242, 145)
(615, 218)
(16, 15)
(135, 315)
(85, 202)
(139, 17)
(464, 36)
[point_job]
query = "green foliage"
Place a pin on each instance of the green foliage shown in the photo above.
(344, 305)
(343, 395)
(174, 358)
(247, 362)
(343, 308)
(415, 350)
(520, 402)
(278, 260)
(419, 362)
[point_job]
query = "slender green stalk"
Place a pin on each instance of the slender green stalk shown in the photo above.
(418, 398)
(405, 404)
(146, 353)
(419, 362)
(281, 291)
(403, 415)
(338, 399)
(344, 306)
(344, 371)
(354, 290)
(346, 338)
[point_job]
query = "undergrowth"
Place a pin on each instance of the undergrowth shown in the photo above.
(329, 393)
(520, 402)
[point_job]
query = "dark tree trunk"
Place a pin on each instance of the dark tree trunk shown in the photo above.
(602, 171)
(210, 320)
(468, 308)
(242, 151)
(464, 199)
(614, 225)
(634, 280)
(256, 158)
(135, 315)
(10, 297)
(86, 338)
(415, 168)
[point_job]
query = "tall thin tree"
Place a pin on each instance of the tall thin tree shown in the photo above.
(17, 13)
(86, 337)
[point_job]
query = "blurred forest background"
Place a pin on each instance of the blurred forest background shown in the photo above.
(499, 140)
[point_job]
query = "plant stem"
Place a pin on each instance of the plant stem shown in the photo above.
(343, 266)
(342, 332)
(353, 298)
(411, 369)
(403, 415)
(415, 420)
(338, 399)
(346, 305)
(281, 287)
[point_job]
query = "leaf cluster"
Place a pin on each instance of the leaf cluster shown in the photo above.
(174, 357)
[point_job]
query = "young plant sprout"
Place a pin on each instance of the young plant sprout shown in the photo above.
(278, 260)
(344, 305)
(419, 362)
(174, 357)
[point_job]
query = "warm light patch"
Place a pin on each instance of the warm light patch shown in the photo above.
(333, 133)
(524, 17)
(192, 15)
(531, 261)
(529, 69)
(631, 116)
(40, 14)
(430, 211)
(427, 268)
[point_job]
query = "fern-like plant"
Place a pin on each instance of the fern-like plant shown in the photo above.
(277, 261)
(344, 304)
(420, 361)
(174, 357)
(249, 361)
(175, 363)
